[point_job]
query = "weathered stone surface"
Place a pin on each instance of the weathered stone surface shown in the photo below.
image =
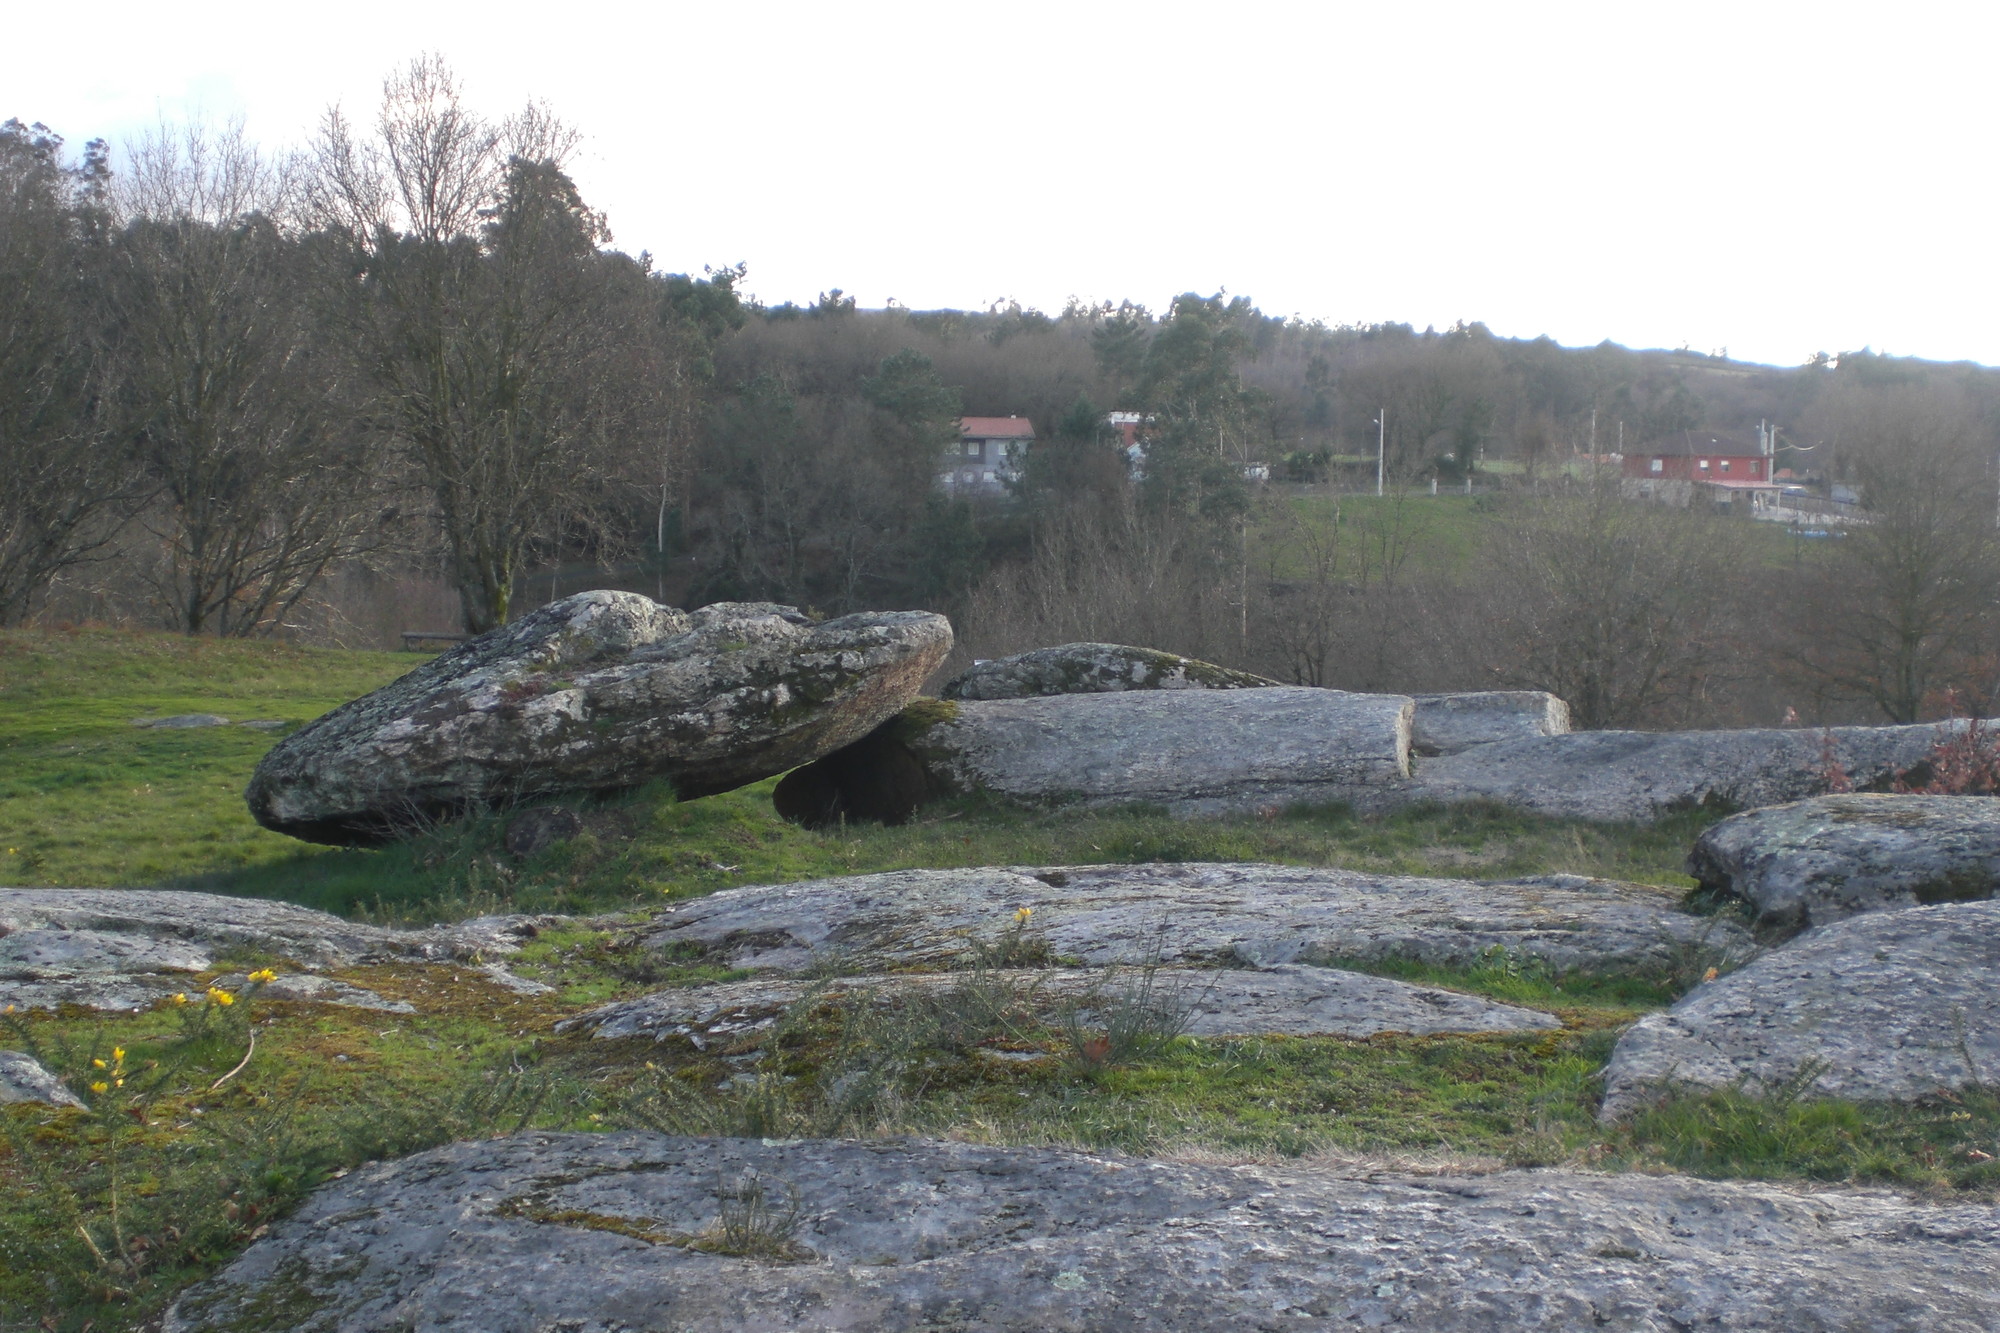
(1289, 1000)
(1814, 861)
(130, 948)
(1193, 751)
(1448, 723)
(596, 692)
(587, 1234)
(1094, 668)
(1234, 914)
(23, 1079)
(183, 720)
(543, 827)
(1887, 1006)
(1639, 775)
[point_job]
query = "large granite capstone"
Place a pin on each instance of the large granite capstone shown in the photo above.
(596, 692)
(1813, 861)
(575, 1233)
(1888, 1006)
(1201, 913)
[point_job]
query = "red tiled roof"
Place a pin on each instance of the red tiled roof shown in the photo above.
(996, 428)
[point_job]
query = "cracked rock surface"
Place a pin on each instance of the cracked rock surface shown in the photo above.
(1230, 913)
(588, 1234)
(1888, 1006)
(129, 948)
(1814, 861)
(1289, 1000)
(595, 692)
(1639, 775)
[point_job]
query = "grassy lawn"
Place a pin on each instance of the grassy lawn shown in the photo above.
(105, 1213)
(86, 798)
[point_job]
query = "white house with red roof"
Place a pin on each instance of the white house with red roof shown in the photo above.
(990, 453)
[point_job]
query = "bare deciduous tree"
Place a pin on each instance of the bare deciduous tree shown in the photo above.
(64, 484)
(1626, 609)
(261, 480)
(487, 326)
(1900, 607)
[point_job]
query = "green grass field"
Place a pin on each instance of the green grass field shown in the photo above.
(186, 1171)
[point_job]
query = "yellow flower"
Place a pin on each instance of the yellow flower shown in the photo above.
(1021, 915)
(97, 1064)
(1710, 975)
(100, 1087)
(118, 1082)
(118, 1052)
(220, 996)
(263, 974)
(180, 997)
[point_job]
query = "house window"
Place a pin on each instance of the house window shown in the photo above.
(1659, 465)
(1704, 465)
(1725, 465)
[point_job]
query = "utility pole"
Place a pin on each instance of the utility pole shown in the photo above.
(1381, 447)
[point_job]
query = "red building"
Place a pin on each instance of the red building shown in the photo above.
(1716, 456)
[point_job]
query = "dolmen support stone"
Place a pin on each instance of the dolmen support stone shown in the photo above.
(596, 1233)
(1194, 751)
(1094, 668)
(1810, 862)
(1888, 1006)
(1451, 723)
(1442, 723)
(596, 692)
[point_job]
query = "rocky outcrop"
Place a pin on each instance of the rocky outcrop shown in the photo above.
(23, 1079)
(594, 1233)
(1814, 861)
(596, 692)
(1192, 751)
(1094, 668)
(1195, 913)
(1286, 1000)
(1888, 1006)
(1450, 723)
(130, 948)
(1640, 775)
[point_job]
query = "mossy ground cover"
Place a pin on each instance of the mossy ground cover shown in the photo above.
(87, 799)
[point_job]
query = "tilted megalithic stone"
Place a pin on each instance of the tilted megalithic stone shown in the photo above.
(1449, 723)
(597, 692)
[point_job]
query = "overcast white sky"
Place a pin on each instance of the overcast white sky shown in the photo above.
(1774, 179)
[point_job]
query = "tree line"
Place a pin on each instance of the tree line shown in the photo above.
(226, 375)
